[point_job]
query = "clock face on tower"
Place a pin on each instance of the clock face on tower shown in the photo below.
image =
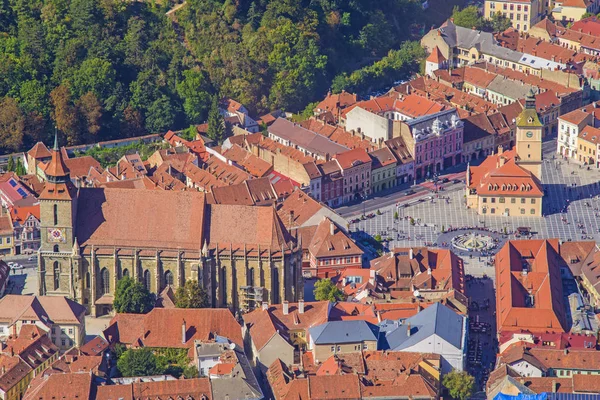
(529, 134)
(56, 235)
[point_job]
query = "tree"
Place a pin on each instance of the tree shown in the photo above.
(20, 168)
(216, 122)
(196, 98)
(132, 297)
(460, 384)
(468, 17)
(11, 164)
(138, 362)
(12, 125)
(160, 116)
(64, 113)
(191, 295)
(396, 215)
(131, 123)
(91, 111)
(326, 290)
(500, 23)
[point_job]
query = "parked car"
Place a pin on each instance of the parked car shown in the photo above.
(32, 258)
(409, 192)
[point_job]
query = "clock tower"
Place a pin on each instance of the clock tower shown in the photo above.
(57, 215)
(529, 138)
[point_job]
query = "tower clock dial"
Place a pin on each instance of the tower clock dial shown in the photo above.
(55, 235)
(529, 134)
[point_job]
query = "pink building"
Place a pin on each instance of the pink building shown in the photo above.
(332, 187)
(356, 170)
(438, 141)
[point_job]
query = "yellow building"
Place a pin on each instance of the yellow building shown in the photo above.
(509, 183)
(522, 14)
(22, 359)
(6, 233)
(588, 146)
(573, 10)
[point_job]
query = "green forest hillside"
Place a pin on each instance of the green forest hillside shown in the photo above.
(103, 69)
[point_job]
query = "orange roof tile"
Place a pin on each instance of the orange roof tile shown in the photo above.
(436, 56)
(530, 300)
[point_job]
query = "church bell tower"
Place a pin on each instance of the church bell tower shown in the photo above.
(529, 138)
(57, 216)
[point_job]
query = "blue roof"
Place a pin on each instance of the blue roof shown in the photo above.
(335, 332)
(436, 319)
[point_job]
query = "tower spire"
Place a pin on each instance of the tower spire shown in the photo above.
(55, 148)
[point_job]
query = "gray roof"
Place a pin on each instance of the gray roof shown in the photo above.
(510, 88)
(433, 124)
(304, 138)
(243, 384)
(436, 319)
(337, 332)
(484, 42)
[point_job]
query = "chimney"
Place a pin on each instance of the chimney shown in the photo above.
(265, 305)
(286, 307)
(331, 228)
(300, 306)
(500, 149)
(410, 254)
(554, 386)
(372, 275)
(408, 332)
(183, 332)
(291, 217)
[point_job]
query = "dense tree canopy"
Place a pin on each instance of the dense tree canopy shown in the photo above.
(132, 297)
(191, 295)
(106, 69)
(326, 290)
(459, 384)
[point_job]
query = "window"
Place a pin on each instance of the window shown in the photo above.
(63, 342)
(169, 278)
(365, 346)
(512, 7)
(147, 279)
(62, 330)
(56, 249)
(493, 211)
(493, 199)
(492, 5)
(332, 348)
(70, 331)
(125, 273)
(56, 275)
(104, 281)
(522, 211)
(501, 200)
(532, 201)
(55, 209)
(532, 211)
(525, 8)
(504, 6)
(513, 200)
(512, 16)
(87, 280)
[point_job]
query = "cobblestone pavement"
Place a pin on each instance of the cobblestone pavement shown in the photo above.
(569, 187)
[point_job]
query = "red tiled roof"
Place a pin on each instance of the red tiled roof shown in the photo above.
(352, 158)
(499, 174)
(530, 300)
(330, 241)
(575, 117)
(590, 134)
(39, 151)
(162, 327)
(436, 56)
